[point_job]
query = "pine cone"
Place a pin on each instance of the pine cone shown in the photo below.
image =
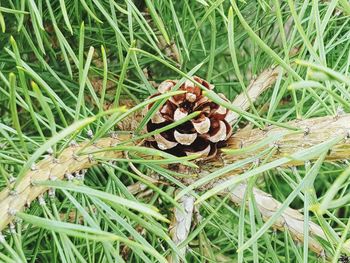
(203, 134)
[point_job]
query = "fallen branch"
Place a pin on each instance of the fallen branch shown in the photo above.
(313, 132)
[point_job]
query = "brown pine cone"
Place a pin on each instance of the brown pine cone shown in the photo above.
(203, 134)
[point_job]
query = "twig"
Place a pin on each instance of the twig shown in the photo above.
(327, 127)
(290, 220)
(181, 224)
(255, 88)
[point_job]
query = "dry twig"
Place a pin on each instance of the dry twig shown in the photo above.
(181, 224)
(290, 220)
(256, 87)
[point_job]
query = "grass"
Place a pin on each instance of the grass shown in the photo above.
(63, 64)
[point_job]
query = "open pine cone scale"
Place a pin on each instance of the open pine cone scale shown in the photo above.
(201, 135)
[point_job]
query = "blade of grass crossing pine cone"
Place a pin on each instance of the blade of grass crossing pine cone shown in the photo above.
(116, 118)
(156, 106)
(151, 152)
(213, 96)
(165, 128)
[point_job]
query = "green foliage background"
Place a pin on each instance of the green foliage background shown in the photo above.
(62, 60)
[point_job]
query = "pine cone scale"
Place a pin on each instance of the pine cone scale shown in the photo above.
(163, 143)
(179, 113)
(185, 138)
(218, 131)
(201, 125)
